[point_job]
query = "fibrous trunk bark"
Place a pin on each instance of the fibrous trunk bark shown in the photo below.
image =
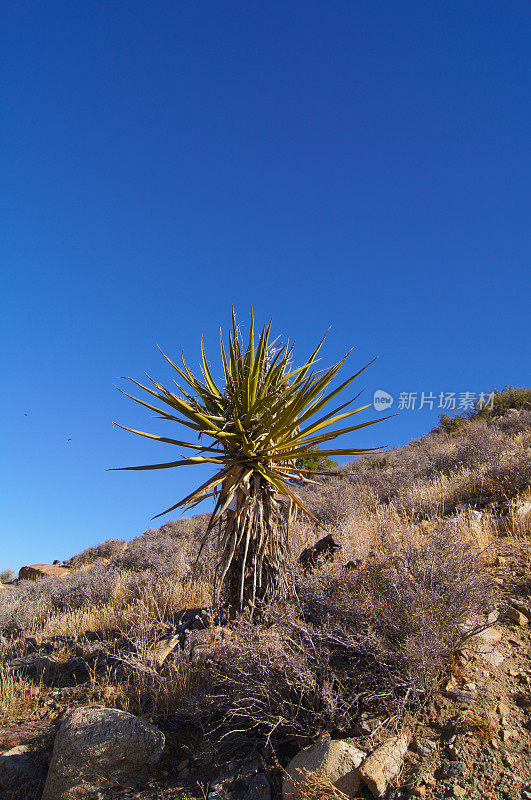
(254, 563)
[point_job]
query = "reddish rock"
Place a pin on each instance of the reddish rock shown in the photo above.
(36, 571)
(15, 735)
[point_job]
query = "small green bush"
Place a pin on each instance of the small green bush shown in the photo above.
(504, 400)
(316, 464)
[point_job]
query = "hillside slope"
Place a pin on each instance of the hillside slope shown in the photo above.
(421, 624)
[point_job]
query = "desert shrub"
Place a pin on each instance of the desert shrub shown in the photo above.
(332, 500)
(476, 445)
(22, 606)
(378, 637)
(170, 549)
(513, 422)
(26, 606)
(315, 464)
(93, 587)
(486, 457)
(510, 476)
(6, 575)
(165, 548)
(90, 555)
(510, 398)
(160, 553)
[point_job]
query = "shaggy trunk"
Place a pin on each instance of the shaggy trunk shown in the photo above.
(254, 561)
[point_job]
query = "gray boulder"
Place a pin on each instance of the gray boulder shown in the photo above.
(330, 761)
(97, 748)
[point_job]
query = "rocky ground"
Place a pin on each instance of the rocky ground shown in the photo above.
(475, 735)
(472, 740)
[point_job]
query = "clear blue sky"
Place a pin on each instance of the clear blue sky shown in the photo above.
(356, 164)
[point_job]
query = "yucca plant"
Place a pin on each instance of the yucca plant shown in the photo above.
(258, 424)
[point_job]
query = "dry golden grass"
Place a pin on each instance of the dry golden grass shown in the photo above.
(480, 725)
(158, 600)
(18, 697)
(141, 686)
(79, 621)
(317, 786)
(517, 524)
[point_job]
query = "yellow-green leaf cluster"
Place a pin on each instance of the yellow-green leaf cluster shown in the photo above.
(263, 417)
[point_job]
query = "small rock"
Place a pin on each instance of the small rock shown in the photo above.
(516, 616)
(465, 697)
(383, 764)
(522, 608)
(33, 665)
(462, 659)
(522, 509)
(250, 768)
(424, 747)
(450, 769)
(91, 651)
(508, 734)
(500, 561)
(458, 791)
(162, 649)
(491, 635)
(335, 761)
(492, 656)
(503, 709)
(78, 669)
(13, 735)
(451, 688)
(363, 728)
(33, 642)
(524, 701)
